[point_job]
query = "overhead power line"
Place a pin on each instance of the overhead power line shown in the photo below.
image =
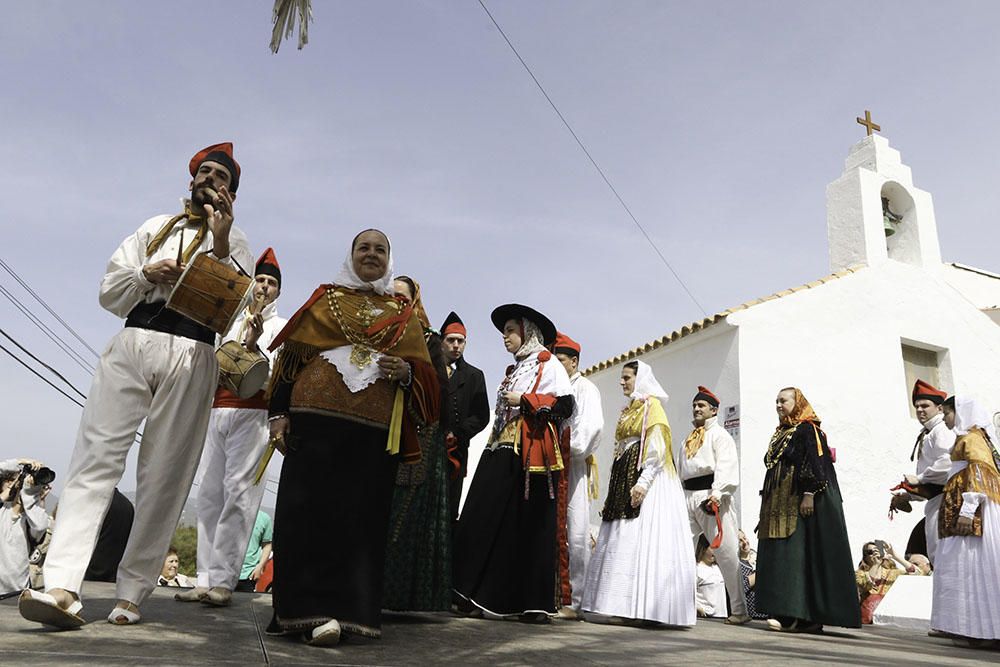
(39, 299)
(590, 157)
(42, 377)
(49, 333)
(39, 361)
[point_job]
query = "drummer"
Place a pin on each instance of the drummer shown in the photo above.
(162, 368)
(237, 436)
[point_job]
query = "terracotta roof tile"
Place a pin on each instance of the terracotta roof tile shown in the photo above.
(698, 325)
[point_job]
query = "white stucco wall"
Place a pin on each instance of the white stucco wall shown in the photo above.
(841, 344)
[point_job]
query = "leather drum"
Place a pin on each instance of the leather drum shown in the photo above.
(211, 293)
(241, 371)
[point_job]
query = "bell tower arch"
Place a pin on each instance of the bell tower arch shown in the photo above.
(875, 214)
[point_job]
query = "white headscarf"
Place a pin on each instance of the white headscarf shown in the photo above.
(348, 278)
(646, 384)
(532, 339)
(969, 413)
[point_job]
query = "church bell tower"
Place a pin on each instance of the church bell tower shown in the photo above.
(875, 214)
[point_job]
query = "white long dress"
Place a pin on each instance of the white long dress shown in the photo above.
(643, 568)
(967, 574)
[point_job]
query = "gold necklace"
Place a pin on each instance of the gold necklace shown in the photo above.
(363, 347)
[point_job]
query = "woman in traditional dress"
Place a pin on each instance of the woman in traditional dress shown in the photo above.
(418, 555)
(507, 551)
(643, 567)
(805, 577)
(353, 363)
(967, 564)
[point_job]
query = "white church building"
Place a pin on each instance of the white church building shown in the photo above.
(854, 341)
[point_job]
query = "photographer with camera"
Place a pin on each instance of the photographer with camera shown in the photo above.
(23, 519)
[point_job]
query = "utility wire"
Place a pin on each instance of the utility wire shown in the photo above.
(591, 158)
(47, 367)
(43, 378)
(53, 336)
(39, 299)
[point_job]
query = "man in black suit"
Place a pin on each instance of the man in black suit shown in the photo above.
(467, 410)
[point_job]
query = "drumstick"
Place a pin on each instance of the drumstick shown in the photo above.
(180, 250)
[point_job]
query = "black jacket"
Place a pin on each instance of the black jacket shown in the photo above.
(467, 407)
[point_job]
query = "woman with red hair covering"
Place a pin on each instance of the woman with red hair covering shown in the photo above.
(805, 577)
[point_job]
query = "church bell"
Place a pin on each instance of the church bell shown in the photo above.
(887, 225)
(889, 219)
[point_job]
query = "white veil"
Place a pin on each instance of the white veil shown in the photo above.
(646, 384)
(348, 278)
(970, 413)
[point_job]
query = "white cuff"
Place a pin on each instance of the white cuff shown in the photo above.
(141, 282)
(970, 503)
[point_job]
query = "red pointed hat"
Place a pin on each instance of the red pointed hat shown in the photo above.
(705, 394)
(268, 265)
(923, 390)
(453, 325)
(223, 154)
(565, 345)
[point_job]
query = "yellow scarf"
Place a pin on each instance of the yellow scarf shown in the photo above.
(161, 236)
(694, 442)
(638, 419)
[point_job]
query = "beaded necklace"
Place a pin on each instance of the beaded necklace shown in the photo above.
(779, 443)
(364, 347)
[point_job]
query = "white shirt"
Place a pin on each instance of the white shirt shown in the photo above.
(124, 286)
(710, 595)
(14, 541)
(934, 462)
(717, 455)
(587, 420)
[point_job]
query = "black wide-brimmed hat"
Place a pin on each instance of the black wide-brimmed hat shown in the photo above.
(515, 311)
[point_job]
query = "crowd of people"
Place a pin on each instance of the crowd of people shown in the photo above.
(373, 410)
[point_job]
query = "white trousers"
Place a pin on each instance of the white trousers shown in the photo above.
(578, 529)
(227, 498)
(931, 509)
(728, 553)
(168, 381)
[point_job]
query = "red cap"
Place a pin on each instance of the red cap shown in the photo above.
(926, 391)
(565, 345)
(705, 394)
(223, 154)
(268, 264)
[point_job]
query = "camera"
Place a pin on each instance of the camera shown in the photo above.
(42, 476)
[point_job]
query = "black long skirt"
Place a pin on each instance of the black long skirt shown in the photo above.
(330, 525)
(505, 550)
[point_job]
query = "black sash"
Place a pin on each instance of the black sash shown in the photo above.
(156, 317)
(702, 483)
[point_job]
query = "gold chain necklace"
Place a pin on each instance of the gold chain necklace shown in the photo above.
(363, 346)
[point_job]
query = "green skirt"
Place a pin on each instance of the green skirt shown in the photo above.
(809, 575)
(418, 551)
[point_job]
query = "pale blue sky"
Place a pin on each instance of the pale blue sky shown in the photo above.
(719, 123)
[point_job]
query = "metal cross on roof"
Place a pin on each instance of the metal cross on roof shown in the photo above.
(867, 122)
